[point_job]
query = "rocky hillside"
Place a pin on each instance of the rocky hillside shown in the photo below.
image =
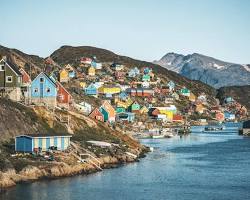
(69, 54)
(239, 93)
(209, 70)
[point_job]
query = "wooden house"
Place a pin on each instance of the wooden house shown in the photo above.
(91, 90)
(26, 80)
(185, 92)
(126, 117)
(84, 107)
(229, 116)
(107, 108)
(199, 108)
(164, 90)
(145, 77)
(64, 98)
(91, 71)
(105, 89)
(229, 100)
(192, 97)
(134, 107)
(120, 75)
(121, 104)
(133, 72)
(41, 142)
(64, 76)
(171, 85)
(43, 90)
(10, 79)
(177, 118)
(120, 110)
(123, 96)
(86, 61)
(96, 114)
(219, 116)
(143, 110)
(117, 66)
(145, 84)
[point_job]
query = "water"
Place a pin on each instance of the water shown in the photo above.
(200, 166)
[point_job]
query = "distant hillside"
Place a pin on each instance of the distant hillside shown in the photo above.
(69, 54)
(209, 70)
(239, 93)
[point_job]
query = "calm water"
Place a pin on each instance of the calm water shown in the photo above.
(200, 166)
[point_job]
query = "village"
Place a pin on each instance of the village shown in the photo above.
(133, 101)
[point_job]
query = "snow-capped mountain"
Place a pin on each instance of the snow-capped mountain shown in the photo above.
(209, 70)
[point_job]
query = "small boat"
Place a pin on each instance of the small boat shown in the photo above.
(157, 136)
(214, 128)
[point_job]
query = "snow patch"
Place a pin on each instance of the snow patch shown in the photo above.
(218, 66)
(246, 67)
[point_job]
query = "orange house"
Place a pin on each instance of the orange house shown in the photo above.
(25, 77)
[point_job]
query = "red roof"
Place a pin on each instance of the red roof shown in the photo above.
(177, 118)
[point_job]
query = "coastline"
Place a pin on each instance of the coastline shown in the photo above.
(55, 170)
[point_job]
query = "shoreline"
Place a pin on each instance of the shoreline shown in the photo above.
(57, 170)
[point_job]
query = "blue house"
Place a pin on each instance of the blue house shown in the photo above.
(72, 74)
(123, 96)
(229, 116)
(43, 90)
(171, 85)
(134, 72)
(91, 90)
(147, 70)
(41, 142)
(126, 116)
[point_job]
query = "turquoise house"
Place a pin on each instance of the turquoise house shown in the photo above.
(43, 90)
(123, 95)
(91, 90)
(146, 77)
(120, 110)
(105, 114)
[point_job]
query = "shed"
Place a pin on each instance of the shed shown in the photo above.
(41, 142)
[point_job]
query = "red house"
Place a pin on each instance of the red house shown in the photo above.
(64, 98)
(25, 77)
(119, 75)
(96, 114)
(177, 118)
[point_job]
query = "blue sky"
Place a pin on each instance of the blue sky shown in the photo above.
(143, 29)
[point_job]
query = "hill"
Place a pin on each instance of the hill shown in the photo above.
(70, 54)
(239, 93)
(209, 70)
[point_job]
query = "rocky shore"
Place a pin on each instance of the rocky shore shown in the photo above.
(31, 173)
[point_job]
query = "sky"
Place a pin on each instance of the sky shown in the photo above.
(142, 29)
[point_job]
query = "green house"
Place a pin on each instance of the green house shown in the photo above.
(120, 110)
(185, 92)
(134, 107)
(146, 77)
(10, 76)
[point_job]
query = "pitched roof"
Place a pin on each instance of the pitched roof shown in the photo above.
(13, 66)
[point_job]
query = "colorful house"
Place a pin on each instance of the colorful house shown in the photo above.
(97, 114)
(134, 107)
(64, 98)
(121, 104)
(41, 142)
(86, 61)
(10, 79)
(185, 92)
(171, 85)
(120, 110)
(126, 116)
(219, 116)
(91, 71)
(192, 97)
(109, 90)
(84, 107)
(146, 77)
(145, 84)
(199, 108)
(229, 116)
(229, 100)
(146, 70)
(177, 118)
(117, 66)
(26, 80)
(120, 75)
(64, 76)
(144, 110)
(133, 72)
(123, 96)
(140, 92)
(108, 112)
(91, 90)
(43, 90)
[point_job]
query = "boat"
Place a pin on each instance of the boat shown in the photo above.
(157, 136)
(214, 128)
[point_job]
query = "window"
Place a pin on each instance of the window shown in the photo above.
(48, 90)
(41, 80)
(1, 67)
(9, 79)
(36, 90)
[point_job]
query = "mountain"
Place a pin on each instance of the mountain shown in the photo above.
(240, 93)
(211, 71)
(70, 54)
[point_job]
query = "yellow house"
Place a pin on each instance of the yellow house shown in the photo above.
(82, 85)
(91, 71)
(129, 102)
(121, 104)
(64, 76)
(144, 110)
(168, 113)
(109, 90)
(192, 97)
